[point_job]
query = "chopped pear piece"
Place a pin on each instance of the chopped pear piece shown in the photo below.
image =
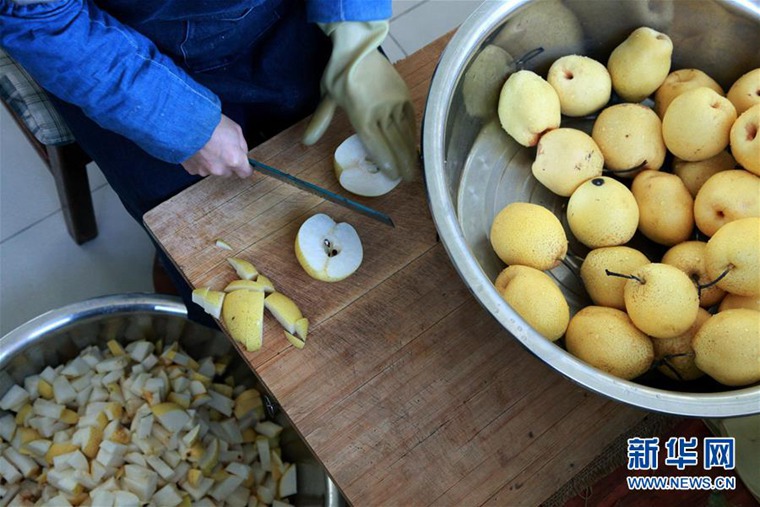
(294, 340)
(210, 300)
(243, 316)
(288, 484)
(14, 398)
(223, 244)
(194, 477)
(302, 328)
(45, 389)
(57, 449)
(284, 310)
(254, 285)
(115, 348)
(9, 472)
(168, 496)
(210, 457)
(243, 268)
(171, 416)
(266, 282)
(262, 444)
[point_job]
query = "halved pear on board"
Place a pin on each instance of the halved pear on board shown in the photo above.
(210, 300)
(328, 251)
(357, 173)
(244, 269)
(243, 316)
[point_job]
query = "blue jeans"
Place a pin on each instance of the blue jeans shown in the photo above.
(271, 84)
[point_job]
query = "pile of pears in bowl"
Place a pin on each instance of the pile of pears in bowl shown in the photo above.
(670, 157)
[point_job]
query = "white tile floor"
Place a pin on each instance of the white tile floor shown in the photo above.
(41, 268)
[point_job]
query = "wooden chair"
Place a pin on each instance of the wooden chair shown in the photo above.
(48, 134)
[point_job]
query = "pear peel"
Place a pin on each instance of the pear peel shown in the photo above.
(243, 316)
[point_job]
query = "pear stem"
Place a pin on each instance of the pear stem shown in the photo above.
(626, 171)
(701, 287)
(527, 57)
(629, 277)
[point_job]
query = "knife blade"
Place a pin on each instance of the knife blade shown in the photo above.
(321, 192)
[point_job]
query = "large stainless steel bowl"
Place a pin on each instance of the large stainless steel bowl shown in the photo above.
(473, 168)
(59, 335)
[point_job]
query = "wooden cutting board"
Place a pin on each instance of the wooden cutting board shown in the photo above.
(407, 390)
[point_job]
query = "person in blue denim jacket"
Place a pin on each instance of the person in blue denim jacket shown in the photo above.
(163, 92)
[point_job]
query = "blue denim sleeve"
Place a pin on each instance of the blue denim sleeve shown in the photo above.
(117, 76)
(329, 11)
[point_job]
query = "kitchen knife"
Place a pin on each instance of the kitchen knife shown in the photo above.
(320, 192)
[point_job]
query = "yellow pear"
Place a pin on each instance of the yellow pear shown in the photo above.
(666, 208)
(602, 212)
(744, 139)
(607, 339)
(536, 298)
(697, 123)
(630, 137)
(727, 347)
(725, 197)
(732, 257)
(528, 234)
(583, 85)
(689, 257)
(661, 300)
(732, 301)
(745, 92)
(565, 158)
(640, 64)
(695, 174)
(528, 107)
(680, 81)
(608, 290)
(677, 353)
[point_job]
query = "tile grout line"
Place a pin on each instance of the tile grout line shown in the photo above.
(49, 215)
(410, 9)
(390, 36)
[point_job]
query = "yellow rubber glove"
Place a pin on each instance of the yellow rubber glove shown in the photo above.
(365, 84)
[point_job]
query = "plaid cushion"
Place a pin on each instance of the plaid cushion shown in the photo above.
(31, 104)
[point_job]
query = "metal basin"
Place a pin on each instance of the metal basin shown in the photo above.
(59, 335)
(473, 169)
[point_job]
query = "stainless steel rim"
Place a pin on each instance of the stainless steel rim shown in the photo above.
(451, 66)
(15, 341)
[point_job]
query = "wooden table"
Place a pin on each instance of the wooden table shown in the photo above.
(407, 390)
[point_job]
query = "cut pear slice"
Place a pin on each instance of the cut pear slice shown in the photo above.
(328, 251)
(243, 315)
(284, 310)
(266, 282)
(210, 300)
(302, 328)
(296, 341)
(171, 416)
(223, 244)
(357, 173)
(254, 285)
(243, 268)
